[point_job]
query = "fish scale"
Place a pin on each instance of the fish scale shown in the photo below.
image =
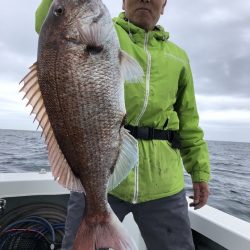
(77, 83)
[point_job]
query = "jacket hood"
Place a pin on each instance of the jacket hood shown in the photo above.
(158, 33)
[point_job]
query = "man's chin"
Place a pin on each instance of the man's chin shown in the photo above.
(143, 23)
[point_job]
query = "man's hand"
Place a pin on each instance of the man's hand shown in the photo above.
(201, 193)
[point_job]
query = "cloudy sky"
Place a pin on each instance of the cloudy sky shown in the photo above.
(214, 33)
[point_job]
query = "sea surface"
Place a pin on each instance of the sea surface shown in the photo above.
(24, 151)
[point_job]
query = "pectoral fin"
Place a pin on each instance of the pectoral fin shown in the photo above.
(130, 69)
(126, 161)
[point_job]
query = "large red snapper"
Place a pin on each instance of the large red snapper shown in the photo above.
(77, 93)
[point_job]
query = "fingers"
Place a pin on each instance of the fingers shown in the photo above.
(202, 199)
(201, 194)
(192, 204)
(196, 196)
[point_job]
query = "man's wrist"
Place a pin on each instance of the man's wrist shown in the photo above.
(199, 176)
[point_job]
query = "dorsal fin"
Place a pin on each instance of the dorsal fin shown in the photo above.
(59, 166)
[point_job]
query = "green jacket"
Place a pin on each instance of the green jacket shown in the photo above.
(165, 100)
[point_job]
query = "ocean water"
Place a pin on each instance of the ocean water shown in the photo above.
(23, 151)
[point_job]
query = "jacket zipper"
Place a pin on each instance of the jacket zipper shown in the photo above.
(145, 104)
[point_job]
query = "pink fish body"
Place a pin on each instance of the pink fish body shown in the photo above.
(76, 89)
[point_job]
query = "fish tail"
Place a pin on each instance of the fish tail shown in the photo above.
(110, 234)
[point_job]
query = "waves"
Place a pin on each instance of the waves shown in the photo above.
(230, 183)
(24, 151)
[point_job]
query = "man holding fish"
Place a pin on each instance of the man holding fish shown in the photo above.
(161, 114)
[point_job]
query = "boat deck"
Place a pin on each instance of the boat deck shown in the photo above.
(212, 228)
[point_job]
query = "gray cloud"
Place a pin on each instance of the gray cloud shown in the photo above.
(17, 26)
(215, 34)
(18, 41)
(224, 103)
(226, 131)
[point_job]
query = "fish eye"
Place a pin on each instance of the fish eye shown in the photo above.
(94, 49)
(59, 10)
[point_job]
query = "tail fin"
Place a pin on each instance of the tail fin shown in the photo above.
(109, 234)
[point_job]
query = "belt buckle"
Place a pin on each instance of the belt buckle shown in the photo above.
(145, 133)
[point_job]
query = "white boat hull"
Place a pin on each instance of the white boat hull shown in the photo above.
(220, 230)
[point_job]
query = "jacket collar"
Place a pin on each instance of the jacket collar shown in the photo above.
(158, 33)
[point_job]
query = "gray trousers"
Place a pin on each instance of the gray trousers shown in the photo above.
(163, 223)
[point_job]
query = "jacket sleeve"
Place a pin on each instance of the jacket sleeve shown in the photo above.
(194, 150)
(41, 14)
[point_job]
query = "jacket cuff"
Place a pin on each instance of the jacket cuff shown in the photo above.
(198, 176)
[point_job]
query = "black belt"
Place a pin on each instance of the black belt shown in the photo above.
(148, 133)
